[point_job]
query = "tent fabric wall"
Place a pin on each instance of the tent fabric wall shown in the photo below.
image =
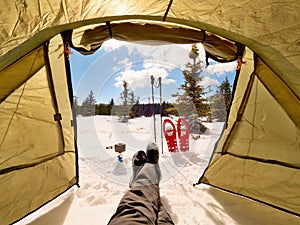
(258, 155)
(38, 160)
(243, 82)
(220, 49)
(252, 158)
(11, 79)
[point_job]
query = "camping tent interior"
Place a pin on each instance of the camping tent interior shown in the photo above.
(258, 153)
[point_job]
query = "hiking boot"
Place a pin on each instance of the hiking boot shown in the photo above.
(138, 161)
(139, 158)
(152, 153)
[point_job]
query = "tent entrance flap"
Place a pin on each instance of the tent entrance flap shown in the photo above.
(43, 152)
(11, 78)
(260, 152)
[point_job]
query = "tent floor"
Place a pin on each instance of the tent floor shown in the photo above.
(215, 207)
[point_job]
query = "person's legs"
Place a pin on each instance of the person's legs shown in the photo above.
(138, 161)
(141, 204)
(163, 217)
(138, 206)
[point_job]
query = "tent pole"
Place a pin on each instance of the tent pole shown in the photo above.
(153, 107)
(161, 112)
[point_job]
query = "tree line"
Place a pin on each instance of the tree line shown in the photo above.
(89, 108)
(219, 104)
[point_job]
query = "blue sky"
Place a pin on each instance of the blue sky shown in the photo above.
(104, 71)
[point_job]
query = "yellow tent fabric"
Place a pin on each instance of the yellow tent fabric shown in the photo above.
(258, 156)
(38, 160)
(258, 153)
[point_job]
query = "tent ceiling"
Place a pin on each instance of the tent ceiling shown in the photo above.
(267, 27)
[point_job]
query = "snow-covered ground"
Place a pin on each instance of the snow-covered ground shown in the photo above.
(104, 179)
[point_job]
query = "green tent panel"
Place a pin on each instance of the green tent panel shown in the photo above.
(258, 153)
(38, 160)
(259, 158)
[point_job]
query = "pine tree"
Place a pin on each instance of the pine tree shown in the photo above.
(128, 101)
(135, 110)
(102, 109)
(76, 106)
(218, 107)
(88, 105)
(111, 105)
(225, 89)
(123, 115)
(221, 101)
(191, 103)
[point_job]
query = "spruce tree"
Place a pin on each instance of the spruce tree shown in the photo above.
(221, 101)
(76, 106)
(218, 107)
(88, 105)
(128, 101)
(135, 110)
(191, 102)
(110, 108)
(225, 89)
(123, 115)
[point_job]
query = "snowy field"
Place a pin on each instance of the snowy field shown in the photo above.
(104, 179)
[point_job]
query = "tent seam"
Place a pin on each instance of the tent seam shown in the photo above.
(270, 161)
(53, 93)
(13, 115)
(6, 132)
(167, 10)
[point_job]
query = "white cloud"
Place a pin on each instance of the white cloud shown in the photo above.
(158, 60)
(141, 78)
(176, 56)
(124, 64)
(221, 68)
(113, 44)
(147, 64)
(208, 81)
